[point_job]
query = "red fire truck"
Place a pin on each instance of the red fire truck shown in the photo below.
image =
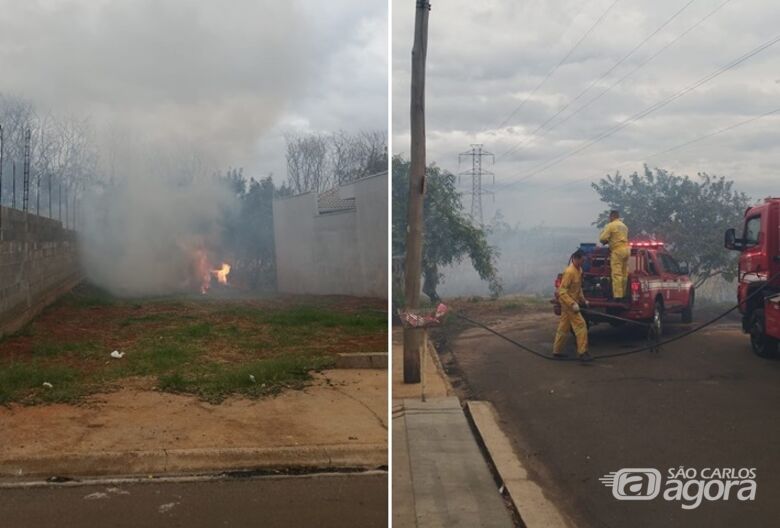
(759, 267)
(658, 286)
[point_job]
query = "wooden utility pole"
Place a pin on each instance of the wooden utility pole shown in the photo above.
(2, 148)
(413, 337)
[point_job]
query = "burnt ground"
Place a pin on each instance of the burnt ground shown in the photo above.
(207, 345)
(705, 401)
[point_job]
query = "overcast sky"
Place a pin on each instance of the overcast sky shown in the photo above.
(224, 78)
(485, 58)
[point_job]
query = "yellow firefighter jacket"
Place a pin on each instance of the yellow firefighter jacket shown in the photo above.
(615, 234)
(570, 290)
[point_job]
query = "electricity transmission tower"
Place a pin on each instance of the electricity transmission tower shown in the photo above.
(477, 172)
(26, 170)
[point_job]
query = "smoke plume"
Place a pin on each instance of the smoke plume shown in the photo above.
(157, 230)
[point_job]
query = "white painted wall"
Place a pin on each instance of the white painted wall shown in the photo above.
(340, 253)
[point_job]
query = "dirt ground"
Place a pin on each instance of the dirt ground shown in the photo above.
(435, 384)
(338, 407)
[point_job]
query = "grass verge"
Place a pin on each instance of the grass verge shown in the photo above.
(214, 382)
(209, 347)
(25, 382)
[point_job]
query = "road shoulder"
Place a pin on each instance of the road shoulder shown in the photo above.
(338, 421)
(535, 510)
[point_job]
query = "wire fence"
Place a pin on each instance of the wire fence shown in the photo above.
(24, 188)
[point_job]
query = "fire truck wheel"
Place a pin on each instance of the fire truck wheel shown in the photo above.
(762, 344)
(658, 318)
(687, 313)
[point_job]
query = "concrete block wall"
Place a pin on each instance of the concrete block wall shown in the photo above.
(336, 252)
(38, 263)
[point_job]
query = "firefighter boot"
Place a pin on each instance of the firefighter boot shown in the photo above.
(586, 357)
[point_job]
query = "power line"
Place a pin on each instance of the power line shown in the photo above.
(684, 144)
(714, 133)
(639, 66)
(649, 110)
(560, 63)
(603, 75)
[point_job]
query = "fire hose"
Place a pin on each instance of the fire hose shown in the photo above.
(653, 338)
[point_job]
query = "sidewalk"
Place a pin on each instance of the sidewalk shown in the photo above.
(440, 478)
(338, 421)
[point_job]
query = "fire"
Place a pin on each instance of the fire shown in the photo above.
(204, 271)
(202, 268)
(222, 273)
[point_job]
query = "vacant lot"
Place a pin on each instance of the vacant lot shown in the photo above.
(207, 346)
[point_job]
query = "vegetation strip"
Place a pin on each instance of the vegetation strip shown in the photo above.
(212, 348)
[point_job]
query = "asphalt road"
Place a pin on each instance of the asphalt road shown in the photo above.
(705, 401)
(337, 500)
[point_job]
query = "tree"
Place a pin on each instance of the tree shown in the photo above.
(307, 163)
(317, 162)
(63, 152)
(450, 236)
(688, 215)
(249, 230)
(355, 156)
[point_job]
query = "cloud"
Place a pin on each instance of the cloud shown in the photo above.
(216, 76)
(485, 58)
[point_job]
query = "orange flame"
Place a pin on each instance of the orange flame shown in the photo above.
(204, 272)
(222, 273)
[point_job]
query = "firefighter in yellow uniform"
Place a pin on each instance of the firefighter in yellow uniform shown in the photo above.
(615, 234)
(571, 297)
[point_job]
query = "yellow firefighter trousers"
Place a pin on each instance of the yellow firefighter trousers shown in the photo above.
(618, 261)
(571, 320)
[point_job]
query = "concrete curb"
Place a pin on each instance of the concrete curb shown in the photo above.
(162, 461)
(535, 510)
(440, 368)
(362, 360)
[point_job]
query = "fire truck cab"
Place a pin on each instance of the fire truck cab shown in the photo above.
(657, 283)
(759, 267)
